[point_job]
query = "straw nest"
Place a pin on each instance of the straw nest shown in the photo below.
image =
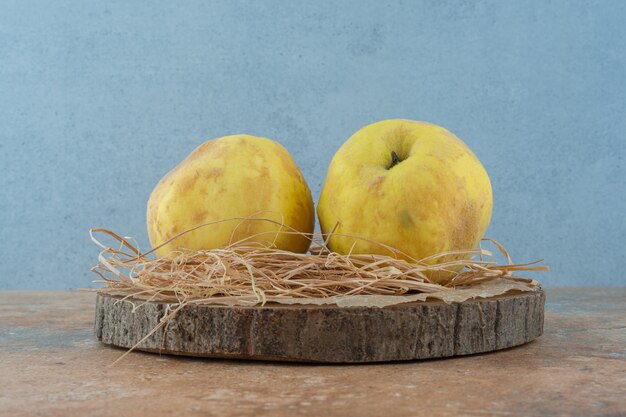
(256, 273)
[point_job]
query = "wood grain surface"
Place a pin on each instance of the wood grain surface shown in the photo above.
(51, 364)
(419, 330)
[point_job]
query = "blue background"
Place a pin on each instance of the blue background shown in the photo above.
(100, 99)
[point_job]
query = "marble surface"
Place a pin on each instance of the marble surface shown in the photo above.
(52, 365)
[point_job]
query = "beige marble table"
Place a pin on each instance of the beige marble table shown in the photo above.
(52, 365)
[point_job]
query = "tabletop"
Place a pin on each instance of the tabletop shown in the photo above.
(52, 365)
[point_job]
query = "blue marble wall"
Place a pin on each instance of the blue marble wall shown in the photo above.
(98, 99)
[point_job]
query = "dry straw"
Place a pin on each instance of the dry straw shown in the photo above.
(247, 272)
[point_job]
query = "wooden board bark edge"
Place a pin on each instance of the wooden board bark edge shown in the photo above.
(307, 333)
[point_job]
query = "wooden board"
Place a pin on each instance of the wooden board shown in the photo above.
(308, 333)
